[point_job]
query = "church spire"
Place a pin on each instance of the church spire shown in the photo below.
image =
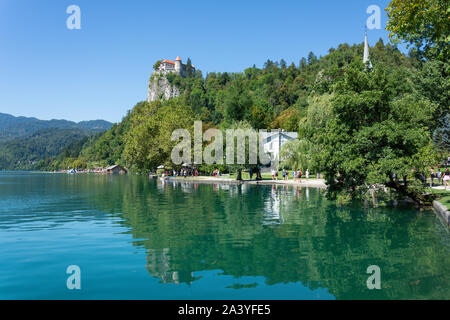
(366, 51)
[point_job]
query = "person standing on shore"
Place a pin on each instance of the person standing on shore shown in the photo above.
(307, 174)
(293, 174)
(273, 174)
(432, 176)
(251, 173)
(283, 174)
(439, 176)
(446, 178)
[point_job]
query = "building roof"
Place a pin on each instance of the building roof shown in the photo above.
(273, 134)
(178, 58)
(115, 166)
(167, 61)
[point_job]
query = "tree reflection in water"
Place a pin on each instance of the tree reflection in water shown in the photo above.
(285, 234)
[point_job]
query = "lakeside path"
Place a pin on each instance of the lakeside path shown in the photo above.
(317, 183)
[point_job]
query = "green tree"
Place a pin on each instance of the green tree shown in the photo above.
(297, 154)
(157, 64)
(375, 134)
(148, 143)
(237, 102)
(423, 23)
(189, 68)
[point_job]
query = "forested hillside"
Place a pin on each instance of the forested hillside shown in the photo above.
(36, 150)
(12, 127)
(358, 125)
(30, 143)
(277, 95)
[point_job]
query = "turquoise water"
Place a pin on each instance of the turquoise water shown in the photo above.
(135, 238)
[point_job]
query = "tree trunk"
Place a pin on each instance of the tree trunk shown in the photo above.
(258, 174)
(419, 199)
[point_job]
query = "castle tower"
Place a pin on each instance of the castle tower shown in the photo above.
(178, 65)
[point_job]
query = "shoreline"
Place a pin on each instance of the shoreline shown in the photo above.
(317, 183)
(442, 210)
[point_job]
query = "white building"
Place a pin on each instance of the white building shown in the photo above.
(174, 66)
(274, 140)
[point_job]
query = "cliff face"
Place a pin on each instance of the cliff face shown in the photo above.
(159, 88)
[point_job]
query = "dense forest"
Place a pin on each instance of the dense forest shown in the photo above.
(12, 127)
(33, 144)
(360, 126)
(277, 95)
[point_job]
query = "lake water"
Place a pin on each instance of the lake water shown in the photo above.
(135, 238)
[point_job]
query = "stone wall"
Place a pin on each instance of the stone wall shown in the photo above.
(442, 210)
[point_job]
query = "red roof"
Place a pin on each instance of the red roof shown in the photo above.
(178, 58)
(167, 61)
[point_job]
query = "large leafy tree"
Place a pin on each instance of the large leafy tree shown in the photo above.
(148, 143)
(375, 134)
(236, 167)
(237, 102)
(423, 23)
(297, 154)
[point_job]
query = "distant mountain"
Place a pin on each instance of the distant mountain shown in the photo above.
(12, 127)
(95, 125)
(25, 153)
(26, 142)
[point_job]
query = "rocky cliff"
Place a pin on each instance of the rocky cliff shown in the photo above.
(159, 87)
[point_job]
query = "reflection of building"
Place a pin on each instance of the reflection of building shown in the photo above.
(274, 140)
(159, 266)
(272, 207)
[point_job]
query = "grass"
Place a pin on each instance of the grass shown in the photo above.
(443, 197)
(445, 200)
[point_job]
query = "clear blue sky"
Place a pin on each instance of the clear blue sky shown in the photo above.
(99, 72)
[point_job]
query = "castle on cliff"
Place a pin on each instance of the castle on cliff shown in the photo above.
(159, 87)
(174, 66)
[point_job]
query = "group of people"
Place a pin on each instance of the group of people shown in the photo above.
(442, 177)
(296, 174)
(183, 173)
